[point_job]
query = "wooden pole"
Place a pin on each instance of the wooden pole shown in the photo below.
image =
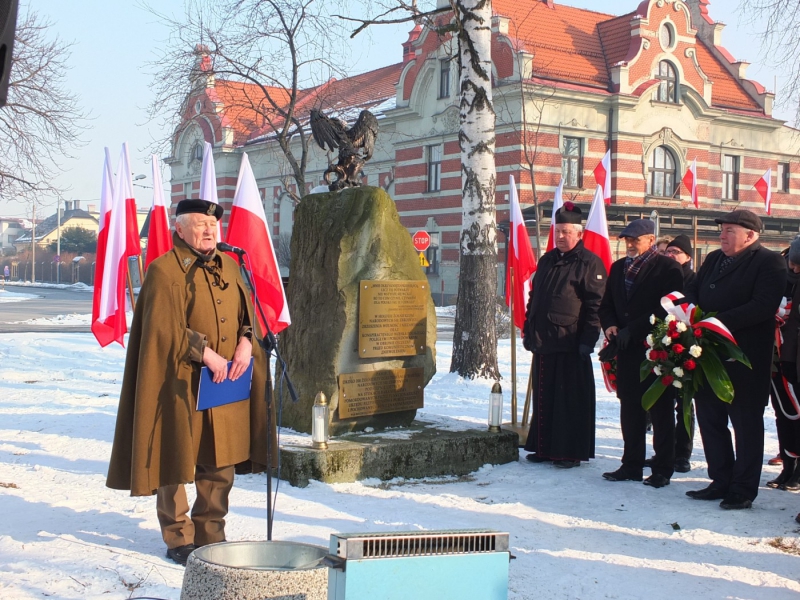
(694, 248)
(513, 351)
(130, 285)
(528, 397)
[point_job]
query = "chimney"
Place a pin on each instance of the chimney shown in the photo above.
(550, 3)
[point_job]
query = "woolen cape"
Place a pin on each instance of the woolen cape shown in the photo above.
(159, 433)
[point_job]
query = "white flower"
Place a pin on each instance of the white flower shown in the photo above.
(650, 340)
(677, 384)
(669, 319)
(666, 340)
(695, 351)
(678, 372)
(652, 319)
(657, 370)
(681, 326)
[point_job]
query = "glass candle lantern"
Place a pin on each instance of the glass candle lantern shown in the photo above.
(495, 408)
(319, 422)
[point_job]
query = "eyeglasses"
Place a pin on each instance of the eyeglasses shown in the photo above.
(674, 251)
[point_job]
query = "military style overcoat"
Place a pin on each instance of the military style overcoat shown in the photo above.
(160, 436)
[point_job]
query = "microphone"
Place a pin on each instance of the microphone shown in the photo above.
(223, 247)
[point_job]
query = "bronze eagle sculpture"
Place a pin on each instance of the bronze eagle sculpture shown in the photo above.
(355, 146)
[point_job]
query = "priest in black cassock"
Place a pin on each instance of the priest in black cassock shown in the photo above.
(561, 329)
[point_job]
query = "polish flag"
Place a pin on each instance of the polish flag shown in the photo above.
(558, 202)
(764, 188)
(208, 182)
(159, 238)
(595, 235)
(602, 175)
(690, 181)
(106, 192)
(248, 229)
(110, 325)
(520, 258)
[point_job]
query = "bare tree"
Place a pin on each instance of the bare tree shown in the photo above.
(475, 332)
(780, 42)
(283, 250)
(274, 49)
(42, 121)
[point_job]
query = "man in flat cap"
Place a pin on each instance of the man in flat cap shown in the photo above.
(561, 329)
(635, 287)
(743, 283)
(193, 311)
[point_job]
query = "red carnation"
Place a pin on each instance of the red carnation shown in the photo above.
(674, 334)
(654, 355)
(672, 326)
(663, 354)
(667, 379)
(612, 377)
(698, 332)
(690, 365)
(678, 349)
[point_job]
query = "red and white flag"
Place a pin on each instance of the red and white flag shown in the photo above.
(248, 229)
(595, 235)
(520, 258)
(106, 193)
(764, 188)
(110, 325)
(602, 175)
(159, 237)
(690, 181)
(558, 202)
(208, 182)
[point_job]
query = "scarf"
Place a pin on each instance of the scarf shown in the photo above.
(635, 265)
(212, 264)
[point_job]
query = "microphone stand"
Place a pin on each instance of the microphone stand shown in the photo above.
(269, 344)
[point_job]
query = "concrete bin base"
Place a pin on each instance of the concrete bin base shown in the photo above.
(256, 571)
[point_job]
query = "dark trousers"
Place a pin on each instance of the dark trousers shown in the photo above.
(207, 523)
(740, 472)
(634, 434)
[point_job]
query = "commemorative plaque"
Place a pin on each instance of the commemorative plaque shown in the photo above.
(392, 318)
(374, 392)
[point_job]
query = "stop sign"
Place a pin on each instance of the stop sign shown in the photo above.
(421, 239)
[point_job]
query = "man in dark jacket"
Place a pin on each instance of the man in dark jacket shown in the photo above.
(561, 329)
(743, 283)
(634, 290)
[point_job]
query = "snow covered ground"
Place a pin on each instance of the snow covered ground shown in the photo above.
(6, 296)
(574, 535)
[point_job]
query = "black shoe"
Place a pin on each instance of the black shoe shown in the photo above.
(797, 518)
(622, 474)
(566, 464)
(535, 458)
(782, 478)
(682, 465)
(792, 484)
(734, 501)
(707, 493)
(656, 480)
(181, 554)
(648, 462)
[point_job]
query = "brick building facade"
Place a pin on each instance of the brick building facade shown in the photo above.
(655, 85)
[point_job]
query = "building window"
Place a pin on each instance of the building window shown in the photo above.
(571, 162)
(730, 177)
(444, 78)
(783, 177)
(187, 191)
(197, 152)
(668, 88)
(435, 168)
(667, 36)
(661, 181)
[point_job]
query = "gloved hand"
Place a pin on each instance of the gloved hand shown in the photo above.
(789, 371)
(585, 350)
(623, 338)
(526, 343)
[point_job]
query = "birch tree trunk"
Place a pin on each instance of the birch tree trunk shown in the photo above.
(475, 335)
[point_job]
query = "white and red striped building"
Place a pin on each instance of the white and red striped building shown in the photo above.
(654, 85)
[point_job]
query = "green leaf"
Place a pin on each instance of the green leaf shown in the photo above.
(687, 414)
(645, 369)
(716, 374)
(652, 394)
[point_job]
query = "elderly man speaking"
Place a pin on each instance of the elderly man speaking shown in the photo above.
(193, 310)
(743, 283)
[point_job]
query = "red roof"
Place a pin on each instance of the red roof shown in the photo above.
(580, 46)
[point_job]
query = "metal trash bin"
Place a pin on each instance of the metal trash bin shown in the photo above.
(256, 571)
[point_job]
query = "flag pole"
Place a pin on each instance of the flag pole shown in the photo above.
(528, 394)
(130, 285)
(513, 352)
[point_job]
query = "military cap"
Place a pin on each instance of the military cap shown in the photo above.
(203, 207)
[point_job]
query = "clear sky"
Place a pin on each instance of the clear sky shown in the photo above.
(114, 39)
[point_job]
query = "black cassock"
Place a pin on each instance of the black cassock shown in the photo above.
(562, 316)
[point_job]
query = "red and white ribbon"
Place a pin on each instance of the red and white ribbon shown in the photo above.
(683, 311)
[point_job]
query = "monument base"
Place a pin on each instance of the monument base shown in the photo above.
(421, 450)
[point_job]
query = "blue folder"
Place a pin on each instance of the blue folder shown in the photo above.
(210, 394)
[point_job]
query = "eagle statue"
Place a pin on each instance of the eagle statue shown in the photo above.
(355, 146)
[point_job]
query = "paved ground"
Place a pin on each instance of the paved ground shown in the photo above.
(50, 303)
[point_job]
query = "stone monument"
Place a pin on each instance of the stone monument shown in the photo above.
(363, 322)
